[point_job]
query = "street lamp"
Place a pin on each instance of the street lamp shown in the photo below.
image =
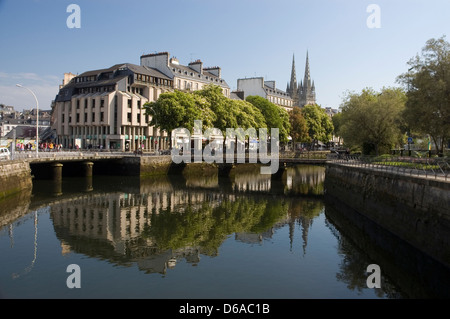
(37, 118)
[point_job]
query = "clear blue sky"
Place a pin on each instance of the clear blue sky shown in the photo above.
(246, 38)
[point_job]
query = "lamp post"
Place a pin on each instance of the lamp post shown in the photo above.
(37, 118)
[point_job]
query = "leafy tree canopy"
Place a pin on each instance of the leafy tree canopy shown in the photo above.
(320, 127)
(180, 109)
(299, 128)
(427, 83)
(372, 120)
(275, 116)
(177, 109)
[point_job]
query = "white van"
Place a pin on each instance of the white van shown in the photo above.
(4, 153)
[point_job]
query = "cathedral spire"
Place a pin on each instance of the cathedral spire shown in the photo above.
(307, 80)
(293, 74)
(292, 88)
(307, 90)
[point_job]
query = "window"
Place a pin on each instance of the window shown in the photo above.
(129, 103)
(93, 117)
(102, 116)
(139, 118)
(78, 117)
(102, 103)
(139, 104)
(78, 104)
(93, 103)
(129, 117)
(85, 117)
(85, 103)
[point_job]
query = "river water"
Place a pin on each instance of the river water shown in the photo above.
(246, 236)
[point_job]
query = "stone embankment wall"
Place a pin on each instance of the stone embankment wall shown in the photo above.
(14, 178)
(415, 209)
(163, 165)
(154, 165)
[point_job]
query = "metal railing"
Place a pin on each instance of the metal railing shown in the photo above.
(435, 167)
(30, 155)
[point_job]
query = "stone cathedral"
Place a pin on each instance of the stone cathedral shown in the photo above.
(304, 93)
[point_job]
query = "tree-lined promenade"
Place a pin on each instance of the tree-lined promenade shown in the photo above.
(180, 109)
(370, 122)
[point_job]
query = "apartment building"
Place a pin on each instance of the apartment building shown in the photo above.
(191, 77)
(104, 109)
(266, 89)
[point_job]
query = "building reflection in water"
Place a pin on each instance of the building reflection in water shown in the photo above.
(156, 223)
(165, 220)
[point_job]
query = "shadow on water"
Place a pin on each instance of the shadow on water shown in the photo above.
(418, 275)
(14, 207)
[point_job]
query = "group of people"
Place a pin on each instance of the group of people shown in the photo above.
(45, 146)
(50, 146)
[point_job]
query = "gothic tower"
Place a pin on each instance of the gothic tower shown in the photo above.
(305, 92)
(292, 88)
(306, 89)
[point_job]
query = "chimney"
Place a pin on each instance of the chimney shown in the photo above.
(214, 70)
(270, 84)
(197, 66)
(155, 60)
(174, 60)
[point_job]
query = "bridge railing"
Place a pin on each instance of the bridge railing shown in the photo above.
(425, 167)
(28, 155)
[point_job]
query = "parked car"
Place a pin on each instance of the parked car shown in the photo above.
(4, 153)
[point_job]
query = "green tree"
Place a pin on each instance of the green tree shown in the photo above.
(320, 127)
(231, 113)
(275, 116)
(247, 115)
(299, 128)
(372, 121)
(225, 112)
(428, 91)
(179, 109)
(337, 120)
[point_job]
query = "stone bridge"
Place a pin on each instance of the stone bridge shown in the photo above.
(53, 165)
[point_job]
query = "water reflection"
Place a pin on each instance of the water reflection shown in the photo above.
(158, 223)
(14, 207)
(155, 222)
(360, 239)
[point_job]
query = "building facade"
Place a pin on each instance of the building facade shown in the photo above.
(104, 109)
(266, 89)
(304, 93)
(191, 77)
